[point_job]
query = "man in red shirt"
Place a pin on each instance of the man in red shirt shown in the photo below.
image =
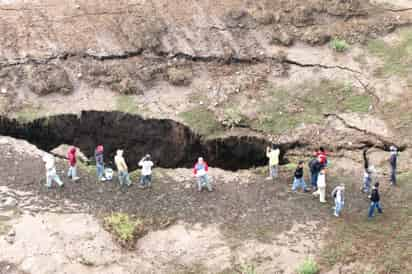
(322, 158)
(72, 173)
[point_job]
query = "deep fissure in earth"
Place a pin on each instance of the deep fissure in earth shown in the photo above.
(170, 143)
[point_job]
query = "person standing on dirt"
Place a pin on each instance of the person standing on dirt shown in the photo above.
(338, 195)
(367, 174)
(273, 154)
(122, 169)
(99, 157)
(314, 167)
(51, 173)
(393, 162)
(375, 201)
(146, 177)
(298, 180)
(72, 173)
(200, 171)
(321, 186)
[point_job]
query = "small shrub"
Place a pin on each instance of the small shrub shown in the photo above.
(309, 266)
(124, 229)
(248, 269)
(339, 45)
(180, 76)
(232, 118)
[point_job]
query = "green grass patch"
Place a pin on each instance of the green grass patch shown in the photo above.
(127, 104)
(309, 266)
(124, 228)
(29, 113)
(202, 121)
(285, 109)
(397, 57)
(339, 45)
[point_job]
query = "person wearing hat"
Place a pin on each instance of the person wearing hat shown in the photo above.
(298, 180)
(98, 155)
(338, 195)
(122, 169)
(393, 162)
(146, 177)
(375, 201)
(200, 171)
(272, 153)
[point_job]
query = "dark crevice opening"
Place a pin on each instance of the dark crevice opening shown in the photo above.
(170, 143)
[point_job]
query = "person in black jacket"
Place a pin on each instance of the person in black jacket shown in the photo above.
(375, 201)
(314, 167)
(393, 162)
(367, 174)
(298, 181)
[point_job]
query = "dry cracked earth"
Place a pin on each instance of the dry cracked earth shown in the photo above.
(220, 78)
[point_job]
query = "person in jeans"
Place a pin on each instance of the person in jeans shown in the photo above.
(321, 186)
(146, 178)
(51, 174)
(122, 169)
(393, 162)
(200, 171)
(273, 154)
(322, 157)
(375, 201)
(314, 167)
(72, 173)
(298, 180)
(338, 194)
(99, 157)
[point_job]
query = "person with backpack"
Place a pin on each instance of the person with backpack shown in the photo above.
(122, 169)
(314, 167)
(375, 201)
(338, 195)
(99, 157)
(72, 173)
(298, 180)
(393, 163)
(200, 171)
(321, 186)
(146, 177)
(51, 173)
(273, 154)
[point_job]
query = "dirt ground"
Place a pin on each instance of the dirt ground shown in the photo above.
(245, 221)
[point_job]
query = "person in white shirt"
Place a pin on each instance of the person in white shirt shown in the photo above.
(272, 153)
(146, 177)
(339, 195)
(321, 186)
(51, 174)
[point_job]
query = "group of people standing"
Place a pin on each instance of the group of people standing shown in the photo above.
(200, 170)
(318, 166)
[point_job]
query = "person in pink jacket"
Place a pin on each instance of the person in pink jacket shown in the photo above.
(200, 171)
(72, 173)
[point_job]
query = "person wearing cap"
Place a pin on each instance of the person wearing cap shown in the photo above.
(321, 186)
(122, 169)
(298, 180)
(146, 177)
(99, 157)
(375, 201)
(273, 154)
(393, 162)
(72, 173)
(338, 194)
(200, 171)
(51, 173)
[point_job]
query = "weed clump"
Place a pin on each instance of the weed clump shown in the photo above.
(309, 266)
(125, 229)
(339, 45)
